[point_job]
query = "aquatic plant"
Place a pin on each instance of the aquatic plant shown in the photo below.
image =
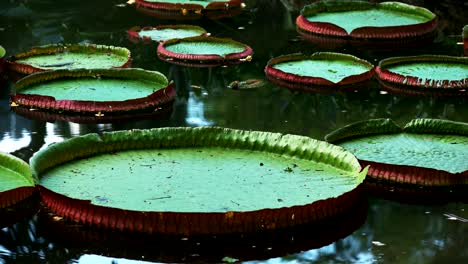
(188, 181)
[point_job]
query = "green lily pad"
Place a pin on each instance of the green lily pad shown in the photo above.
(203, 3)
(94, 91)
(163, 33)
(2, 52)
(321, 68)
(197, 174)
(365, 21)
(425, 152)
(16, 181)
(54, 57)
(425, 74)
(187, 9)
(204, 51)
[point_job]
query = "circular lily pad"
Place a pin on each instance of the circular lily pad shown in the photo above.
(197, 180)
(320, 71)
(361, 21)
(94, 92)
(189, 9)
(16, 181)
(426, 152)
(54, 57)
(425, 75)
(166, 32)
(204, 51)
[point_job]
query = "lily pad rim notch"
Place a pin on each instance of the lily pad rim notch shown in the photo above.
(20, 167)
(158, 98)
(134, 32)
(304, 26)
(61, 48)
(404, 174)
(201, 223)
(285, 77)
(204, 60)
(389, 78)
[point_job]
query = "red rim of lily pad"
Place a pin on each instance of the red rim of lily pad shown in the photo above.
(316, 83)
(405, 174)
(368, 36)
(168, 10)
(162, 95)
(134, 32)
(19, 177)
(25, 68)
(161, 112)
(414, 85)
(182, 222)
(204, 60)
(175, 249)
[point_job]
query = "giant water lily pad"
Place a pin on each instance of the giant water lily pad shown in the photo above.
(55, 57)
(166, 32)
(204, 51)
(188, 9)
(16, 181)
(99, 92)
(465, 39)
(426, 152)
(362, 21)
(197, 180)
(426, 74)
(322, 70)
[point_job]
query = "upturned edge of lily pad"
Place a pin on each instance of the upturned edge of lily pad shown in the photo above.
(413, 175)
(213, 10)
(204, 60)
(13, 196)
(23, 68)
(134, 32)
(305, 26)
(197, 223)
(159, 98)
(413, 85)
(316, 84)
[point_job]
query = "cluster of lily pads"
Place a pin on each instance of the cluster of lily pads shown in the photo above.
(211, 180)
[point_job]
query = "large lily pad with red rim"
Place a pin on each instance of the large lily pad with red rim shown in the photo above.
(16, 181)
(197, 180)
(204, 51)
(57, 56)
(321, 71)
(425, 75)
(94, 92)
(425, 152)
(360, 22)
(465, 39)
(188, 9)
(165, 32)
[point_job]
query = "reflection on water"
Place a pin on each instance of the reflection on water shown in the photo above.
(392, 233)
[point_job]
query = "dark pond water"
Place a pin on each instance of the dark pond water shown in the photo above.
(388, 232)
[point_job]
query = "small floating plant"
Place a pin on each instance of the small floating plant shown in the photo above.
(197, 181)
(367, 24)
(189, 9)
(321, 71)
(98, 92)
(425, 152)
(204, 51)
(69, 56)
(165, 32)
(425, 75)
